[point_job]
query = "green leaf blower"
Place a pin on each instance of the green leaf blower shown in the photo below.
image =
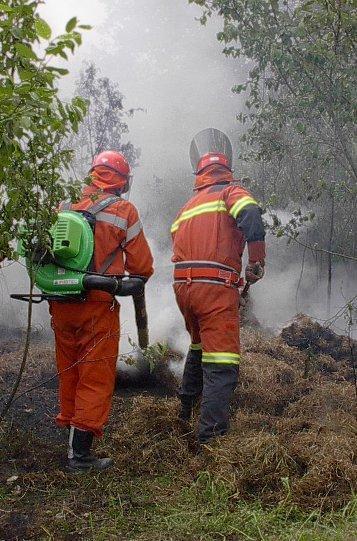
(63, 272)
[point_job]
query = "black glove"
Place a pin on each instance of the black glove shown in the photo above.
(254, 272)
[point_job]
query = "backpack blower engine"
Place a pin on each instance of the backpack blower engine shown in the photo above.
(63, 273)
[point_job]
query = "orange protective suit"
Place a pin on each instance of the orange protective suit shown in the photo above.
(209, 236)
(87, 333)
(208, 245)
(212, 318)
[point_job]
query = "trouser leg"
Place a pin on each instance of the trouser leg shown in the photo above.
(192, 382)
(219, 383)
(212, 318)
(191, 387)
(99, 342)
(66, 360)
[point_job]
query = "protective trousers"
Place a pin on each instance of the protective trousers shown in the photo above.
(211, 315)
(87, 341)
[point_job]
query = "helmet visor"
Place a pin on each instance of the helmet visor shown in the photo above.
(125, 194)
(207, 141)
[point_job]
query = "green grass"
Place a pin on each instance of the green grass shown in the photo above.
(207, 510)
(110, 506)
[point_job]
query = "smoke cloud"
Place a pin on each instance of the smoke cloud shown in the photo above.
(166, 63)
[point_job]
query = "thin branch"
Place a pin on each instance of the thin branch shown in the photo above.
(11, 398)
(317, 249)
(351, 344)
(45, 382)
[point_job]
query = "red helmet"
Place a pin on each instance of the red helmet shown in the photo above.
(111, 170)
(213, 158)
(114, 161)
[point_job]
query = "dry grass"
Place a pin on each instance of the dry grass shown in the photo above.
(293, 440)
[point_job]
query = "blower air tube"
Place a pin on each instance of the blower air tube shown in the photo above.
(122, 287)
(130, 286)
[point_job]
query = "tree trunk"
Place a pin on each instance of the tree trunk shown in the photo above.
(329, 256)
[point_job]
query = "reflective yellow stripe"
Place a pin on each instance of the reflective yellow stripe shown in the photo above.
(240, 204)
(224, 357)
(215, 204)
(222, 354)
(212, 206)
(196, 347)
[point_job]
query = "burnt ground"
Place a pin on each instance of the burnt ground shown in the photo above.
(35, 406)
(293, 440)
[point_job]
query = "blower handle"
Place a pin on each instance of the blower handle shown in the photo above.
(121, 286)
(131, 286)
(100, 283)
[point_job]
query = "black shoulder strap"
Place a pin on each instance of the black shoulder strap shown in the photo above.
(65, 205)
(95, 209)
(103, 204)
(109, 260)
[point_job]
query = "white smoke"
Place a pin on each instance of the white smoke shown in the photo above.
(167, 63)
(296, 286)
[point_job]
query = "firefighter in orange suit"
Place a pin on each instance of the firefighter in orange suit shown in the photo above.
(209, 236)
(87, 333)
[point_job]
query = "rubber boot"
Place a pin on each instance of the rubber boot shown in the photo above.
(219, 383)
(79, 455)
(191, 386)
(187, 404)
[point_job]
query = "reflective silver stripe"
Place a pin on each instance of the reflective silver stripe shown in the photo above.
(65, 205)
(133, 231)
(205, 281)
(178, 263)
(70, 452)
(103, 204)
(112, 219)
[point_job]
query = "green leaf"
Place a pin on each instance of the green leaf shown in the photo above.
(72, 23)
(43, 29)
(25, 122)
(5, 91)
(60, 71)
(77, 38)
(85, 26)
(4, 7)
(16, 32)
(26, 75)
(25, 51)
(53, 50)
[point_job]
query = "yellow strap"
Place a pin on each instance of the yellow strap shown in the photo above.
(240, 204)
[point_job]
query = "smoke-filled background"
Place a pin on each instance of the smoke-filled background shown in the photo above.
(172, 68)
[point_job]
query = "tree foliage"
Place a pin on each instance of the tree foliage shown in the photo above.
(33, 122)
(300, 108)
(105, 123)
